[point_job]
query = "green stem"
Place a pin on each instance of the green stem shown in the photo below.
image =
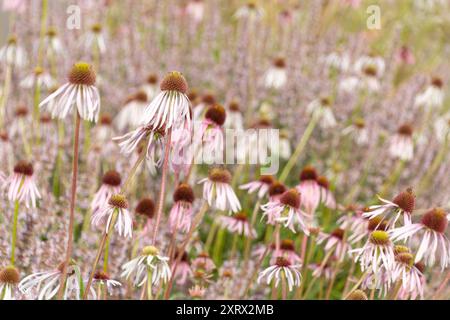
(14, 231)
(149, 284)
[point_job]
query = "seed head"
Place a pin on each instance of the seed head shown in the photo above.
(234, 106)
(140, 96)
(399, 249)
(240, 216)
(291, 198)
(51, 32)
(436, 220)
(406, 200)
(152, 79)
(323, 182)
(338, 233)
(359, 123)
(287, 244)
(118, 201)
(208, 98)
(105, 119)
(370, 71)
(282, 262)
(216, 113)
(111, 178)
(9, 275)
(21, 111)
(96, 28)
(437, 82)
(405, 258)
(184, 193)
(146, 207)
(308, 173)
(12, 40)
(377, 223)
(220, 175)
(266, 179)
(150, 251)
(276, 188)
(82, 73)
(379, 237)
(24, 167)
(174, 81)
(405, 130)
(101, 275)
(279, 63)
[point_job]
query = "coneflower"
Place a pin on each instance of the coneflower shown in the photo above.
(377, 253)
(322, 109)
(110, 186)
(203, 261)
(357, 295)
(326, 196)
(102, 280)
(262, 185)
(130, 116)
(432, 96)
(433, 241)
(335, 243)
(238, 224)
(358, 131)
(282, 270)
(234, 119)
(211, 131)
(208, 99)
(45, 285)
(286, 210)
(309, 189)
(9, 280)
(95, 39)
(218, 192)
(149, 267)
(183, 270)
(402, 205)
(401, 144)
(171, 107)
(150, 86)
(249, 11)
(39, 77)
(180, 217)
(12, 54)
(80, 91)
(115, 212)
(405, 271)
(21, 185)
(276, 75)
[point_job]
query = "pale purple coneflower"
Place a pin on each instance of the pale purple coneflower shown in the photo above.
(334, 242)
(79, 91)
(171, 107)
(433, 241)
(102, 280)
(130, 116)
(207, 100)
(337, 60)
(234, 119)
(377, 253)
(309, 189)
(45, 285)
(204, 262)
(53, 43)
(238, 224)
(9, 280)
(184, 270)
(405, 271)
(39, 77)
(402, 205)
(370, 61)
(21, 185)
(94, 38)
(286, 210)
(353, 220)
(180, 217)
(218, 192)
(442, 128)
(322, 109)
(276, 190)
(149, 263)
(282, 269)
(12, 54)
(276, 76)
(110, 186)
(150, 87)
(285, 150)
(401, 145)
(262, 185)
(326, 196)
(211, 131)
(197, 292)
(432, 96)
(321, 270)
(116, 211)
(146, 209)
(286, 250)
(249, 11)
(358, 131)
(367, 227)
